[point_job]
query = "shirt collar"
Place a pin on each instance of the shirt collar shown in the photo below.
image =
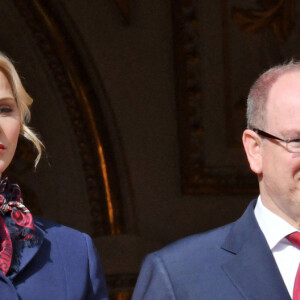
(273, 227)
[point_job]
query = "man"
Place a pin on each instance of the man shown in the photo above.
(255, 257)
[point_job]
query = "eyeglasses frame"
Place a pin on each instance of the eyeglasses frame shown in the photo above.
(273, 137)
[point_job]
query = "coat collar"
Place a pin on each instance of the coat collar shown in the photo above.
(253, 269)
(29, 252)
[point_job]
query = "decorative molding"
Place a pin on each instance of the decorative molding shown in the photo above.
(60, 53)
(280, 15)
(197, 176)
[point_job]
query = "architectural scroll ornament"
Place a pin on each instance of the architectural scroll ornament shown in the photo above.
(279, 14)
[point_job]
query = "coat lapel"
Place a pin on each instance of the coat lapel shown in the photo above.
(253, 269)
(29, 252)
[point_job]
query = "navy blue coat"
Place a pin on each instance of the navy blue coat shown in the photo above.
(232, 262)
(64, 265)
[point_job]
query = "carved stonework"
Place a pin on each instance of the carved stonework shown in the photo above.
(79, 97)
(280, 15)
(188, 89)
(211, 97)
(227, 172)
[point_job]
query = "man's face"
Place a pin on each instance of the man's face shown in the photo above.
(280, 169)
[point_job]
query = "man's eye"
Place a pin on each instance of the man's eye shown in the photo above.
(295, 143)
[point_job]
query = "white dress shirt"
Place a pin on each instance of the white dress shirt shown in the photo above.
(286, 255)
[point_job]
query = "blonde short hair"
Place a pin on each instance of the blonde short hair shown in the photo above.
(23, 101)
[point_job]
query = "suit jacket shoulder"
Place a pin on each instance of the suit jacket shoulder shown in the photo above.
(224, 263)
(178, 270)
(186, 248)
(63, 265)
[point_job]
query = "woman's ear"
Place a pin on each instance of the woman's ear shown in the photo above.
(252, 146)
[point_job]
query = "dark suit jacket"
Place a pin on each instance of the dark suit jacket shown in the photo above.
(63, 265)
(231, 262)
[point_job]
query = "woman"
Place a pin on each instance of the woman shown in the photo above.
(38, 259)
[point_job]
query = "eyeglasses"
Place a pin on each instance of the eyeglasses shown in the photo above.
(292, 145)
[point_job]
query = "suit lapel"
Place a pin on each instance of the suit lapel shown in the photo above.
(29, 252)
(253, 269)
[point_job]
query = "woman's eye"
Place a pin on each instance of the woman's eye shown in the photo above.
(5, 110)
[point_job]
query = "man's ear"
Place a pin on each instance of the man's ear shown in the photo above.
(252, 146)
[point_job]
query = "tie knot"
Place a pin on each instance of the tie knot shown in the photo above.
(294, 238)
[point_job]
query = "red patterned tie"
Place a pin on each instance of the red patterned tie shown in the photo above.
(294, 238)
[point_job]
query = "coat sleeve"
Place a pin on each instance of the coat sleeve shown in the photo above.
(97, 289)
(154, 281)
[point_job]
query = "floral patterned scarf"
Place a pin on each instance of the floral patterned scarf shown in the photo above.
(16, 226)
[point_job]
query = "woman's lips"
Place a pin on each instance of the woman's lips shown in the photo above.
(2, 147)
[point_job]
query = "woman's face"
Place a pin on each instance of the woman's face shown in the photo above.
(10, 123)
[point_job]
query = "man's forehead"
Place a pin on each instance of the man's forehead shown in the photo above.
(283, 104)
(289, 77)
(286, 85)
